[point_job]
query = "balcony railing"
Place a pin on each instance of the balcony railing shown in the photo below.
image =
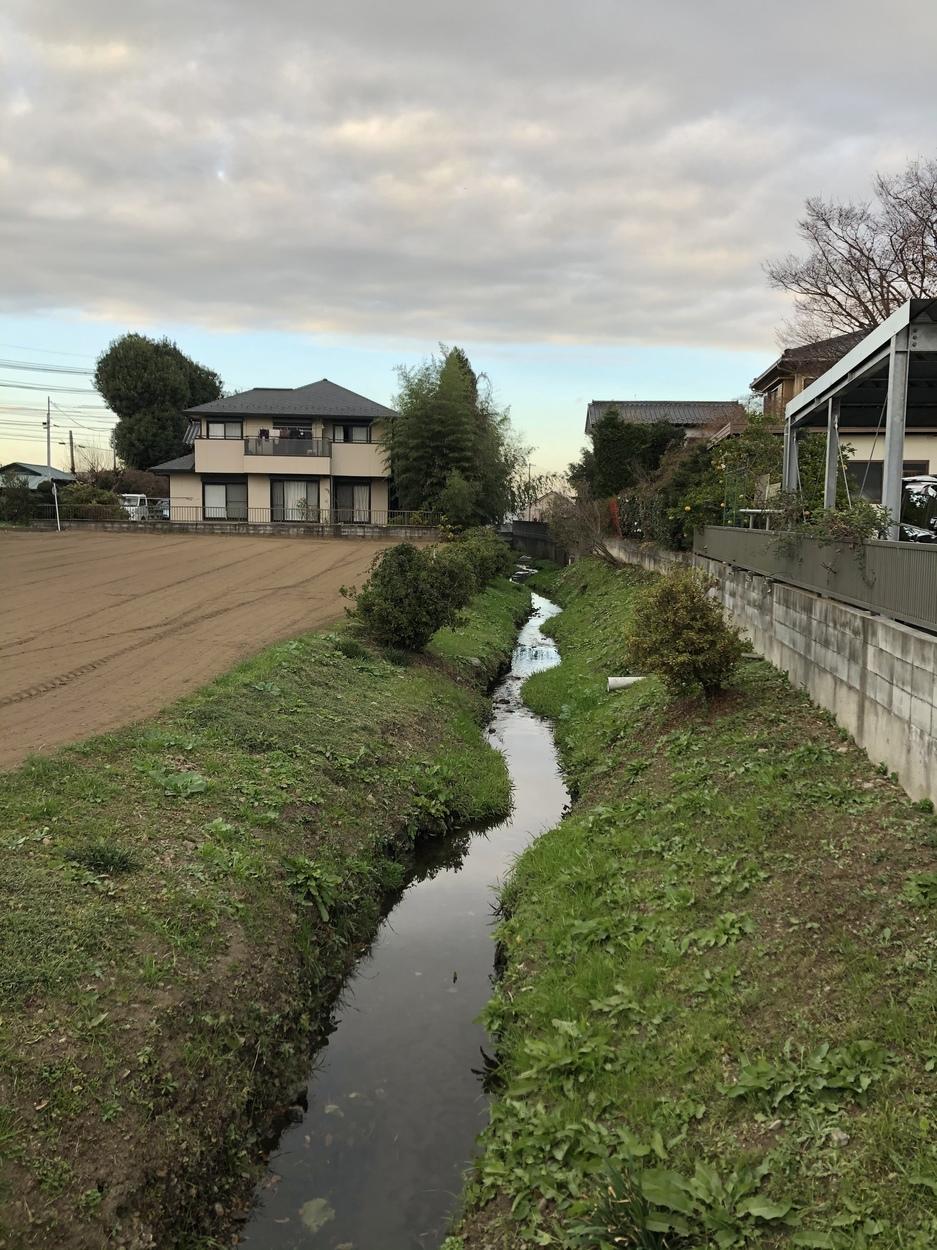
(287, 447)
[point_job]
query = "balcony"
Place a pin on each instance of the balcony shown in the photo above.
(320, 447)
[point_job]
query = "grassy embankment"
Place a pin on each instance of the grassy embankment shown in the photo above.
(178, 904)
(721, 972)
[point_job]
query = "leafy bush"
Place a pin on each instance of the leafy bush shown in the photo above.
(458, 571)
(89, 503)
(404, 602)
(679, 633)
(413, 592)
(490, 554)
(17, 501)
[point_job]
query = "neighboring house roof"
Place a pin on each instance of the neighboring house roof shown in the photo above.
(182, 464)
(41, 471)
(317, 399)
(809, 358)
(691, 413)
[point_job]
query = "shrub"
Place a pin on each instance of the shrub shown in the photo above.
(490, 554)
(89, 503)
(458, 571)
(680, 634)
(402, 604)
(17, 501)
(413, 592)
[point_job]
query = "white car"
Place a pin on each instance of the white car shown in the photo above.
(136, 506)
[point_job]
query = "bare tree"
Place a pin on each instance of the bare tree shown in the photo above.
(864, 260)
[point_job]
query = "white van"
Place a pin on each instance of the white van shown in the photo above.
(136, 506)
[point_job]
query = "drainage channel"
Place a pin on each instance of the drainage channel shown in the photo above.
(395, 1102)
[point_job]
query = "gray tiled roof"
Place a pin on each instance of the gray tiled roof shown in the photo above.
(39, 470)
(692, 413)
(182, 464)
(318, 399)
(808, 357)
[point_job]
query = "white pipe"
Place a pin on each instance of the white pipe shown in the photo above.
(622, 683)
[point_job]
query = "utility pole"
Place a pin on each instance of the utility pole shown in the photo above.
(55, 493)
(71, 451)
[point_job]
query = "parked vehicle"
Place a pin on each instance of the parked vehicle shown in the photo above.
(136, 506)
(159, 509)
(919, 509)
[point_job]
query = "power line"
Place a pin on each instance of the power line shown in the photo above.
(45, 351)
(36, 366)
(38, 386)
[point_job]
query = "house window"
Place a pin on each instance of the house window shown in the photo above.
(346, 433)
(867, 475)
(225, 429)
(353, 501)
(294, 499)
(225, 501)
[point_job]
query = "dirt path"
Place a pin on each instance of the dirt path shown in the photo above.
(97, 629)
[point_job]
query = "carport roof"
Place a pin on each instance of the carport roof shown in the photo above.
(860, 379)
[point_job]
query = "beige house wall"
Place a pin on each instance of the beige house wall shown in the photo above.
(185, 493)
(379, 495)
(916, 447)
(219, 455)
(358, 460)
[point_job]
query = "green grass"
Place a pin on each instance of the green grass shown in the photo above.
(717, 1023)
(180, 900)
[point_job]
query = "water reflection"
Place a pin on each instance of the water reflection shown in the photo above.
(376, 1162)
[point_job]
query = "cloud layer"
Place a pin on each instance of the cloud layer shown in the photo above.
(529, 171)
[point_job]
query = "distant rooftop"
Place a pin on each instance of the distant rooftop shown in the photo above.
(811, 358)
(36, 470)
(317, 399)
(689, 413)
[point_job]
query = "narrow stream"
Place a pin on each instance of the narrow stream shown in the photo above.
(394, 1106)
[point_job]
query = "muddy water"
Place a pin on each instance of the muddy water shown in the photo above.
(394, 1106)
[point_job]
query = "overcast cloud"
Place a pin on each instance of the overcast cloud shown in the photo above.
(529, 171)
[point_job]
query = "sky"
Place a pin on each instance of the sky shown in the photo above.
(581, 195)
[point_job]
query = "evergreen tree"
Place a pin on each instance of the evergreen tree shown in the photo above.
(449, 445)
(147, 383)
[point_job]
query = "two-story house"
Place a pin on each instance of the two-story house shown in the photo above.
(271, 454)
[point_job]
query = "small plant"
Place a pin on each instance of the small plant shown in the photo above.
(102, 858)
(352, 649)
(179, 785)
(823, 1076)
(922, 889)
(316, 885)
(681, 634)
(655, 1209)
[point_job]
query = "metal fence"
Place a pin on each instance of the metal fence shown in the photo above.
(894, 579)
(240, 514)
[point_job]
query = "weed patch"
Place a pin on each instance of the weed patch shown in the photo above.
(716, 1023)
(179, 902)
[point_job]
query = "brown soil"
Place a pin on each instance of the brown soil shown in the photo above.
(101, 629)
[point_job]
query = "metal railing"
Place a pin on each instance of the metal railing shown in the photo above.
(287, 447)
(298, 517)
(894, 579)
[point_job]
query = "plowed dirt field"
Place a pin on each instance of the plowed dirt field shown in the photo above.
(101, 629)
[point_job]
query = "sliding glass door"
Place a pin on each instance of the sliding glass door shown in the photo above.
(225, 501)
(294, 499)
(353, 501)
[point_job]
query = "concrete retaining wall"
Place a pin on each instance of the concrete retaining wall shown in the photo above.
(877, 676)
(392, 533)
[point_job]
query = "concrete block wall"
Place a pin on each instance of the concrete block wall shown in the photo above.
(877, 676)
